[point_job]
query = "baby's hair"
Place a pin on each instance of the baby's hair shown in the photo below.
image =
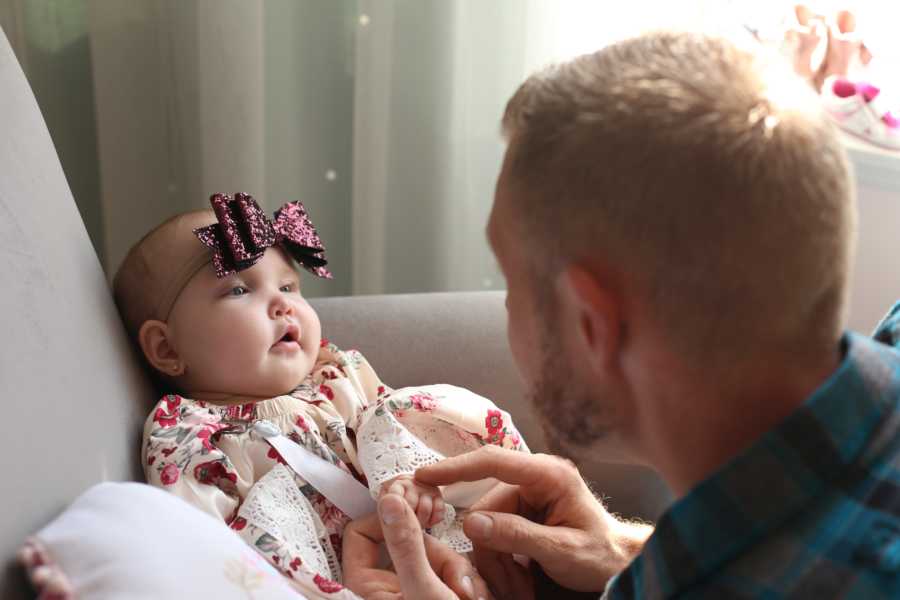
(706, 173)
(141, 278)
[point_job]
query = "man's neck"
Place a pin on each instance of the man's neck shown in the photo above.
(698, 428)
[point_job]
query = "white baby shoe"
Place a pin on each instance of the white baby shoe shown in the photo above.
(861, 109)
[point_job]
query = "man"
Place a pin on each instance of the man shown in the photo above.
(675, 220)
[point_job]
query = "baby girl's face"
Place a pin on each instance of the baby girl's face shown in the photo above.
(251, 333)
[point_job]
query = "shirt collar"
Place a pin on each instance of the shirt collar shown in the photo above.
(821, 446)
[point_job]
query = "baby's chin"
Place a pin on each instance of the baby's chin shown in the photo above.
(284, 383)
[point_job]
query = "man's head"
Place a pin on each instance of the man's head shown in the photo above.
(250, 333)
(671, 184)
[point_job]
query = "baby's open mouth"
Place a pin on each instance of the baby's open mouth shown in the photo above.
(290, 339)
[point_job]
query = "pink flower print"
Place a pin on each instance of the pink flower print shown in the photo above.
(493, 421)
(326, 391)
(168, 416)
(215, 473)
(240, 411)
(423, 402)
(494, 424)
(329, 375)
(516, 440)
(151, 459)
(274, 455)
(168, 451)
(169, 474)
(295, 564)
(302, 424)
(337, 543)
(207, 431)
(238, 523)
(330, 514)
(203, 436)
(326, 585)
(323, 342)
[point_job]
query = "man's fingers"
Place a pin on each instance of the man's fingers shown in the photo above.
(491, 568)
(509, 466)
(502, 498)
(405, 543)
(512, 534)
(360, 545)
(520, 578)
(456, 571)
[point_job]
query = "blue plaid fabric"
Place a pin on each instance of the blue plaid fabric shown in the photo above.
(812, 510)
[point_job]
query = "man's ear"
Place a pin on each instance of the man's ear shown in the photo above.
(593, 308)
(155, 340)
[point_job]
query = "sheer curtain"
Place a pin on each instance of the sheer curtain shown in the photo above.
(224, 95)
(381, 115)
(432, 79)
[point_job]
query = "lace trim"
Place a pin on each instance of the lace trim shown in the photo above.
(276, 506)
(387, 449)
(450, 532)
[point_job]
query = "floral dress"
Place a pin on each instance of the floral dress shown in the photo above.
(210, 456)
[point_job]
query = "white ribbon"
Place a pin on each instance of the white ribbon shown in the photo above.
(339, 486)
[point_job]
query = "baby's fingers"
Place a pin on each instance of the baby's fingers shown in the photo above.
(438, 511)
(407, 492)
(423, 510)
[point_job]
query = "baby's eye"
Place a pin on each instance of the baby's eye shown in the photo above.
(239, 290)
(288, 287)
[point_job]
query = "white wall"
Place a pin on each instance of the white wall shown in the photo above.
(876, 282)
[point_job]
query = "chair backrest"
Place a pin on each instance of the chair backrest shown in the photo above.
(74, 396)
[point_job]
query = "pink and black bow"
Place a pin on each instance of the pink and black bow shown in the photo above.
(244, 232)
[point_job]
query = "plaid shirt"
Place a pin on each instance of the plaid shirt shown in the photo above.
(811, 510)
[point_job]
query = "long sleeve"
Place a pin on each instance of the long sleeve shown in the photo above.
(383, 448)
(180, 456)
(387, 449)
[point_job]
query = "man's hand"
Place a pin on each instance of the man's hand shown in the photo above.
(547, 513)
(425, 568)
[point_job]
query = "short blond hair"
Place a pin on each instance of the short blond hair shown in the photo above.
(705, 172)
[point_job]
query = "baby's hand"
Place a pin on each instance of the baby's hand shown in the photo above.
(425, 500)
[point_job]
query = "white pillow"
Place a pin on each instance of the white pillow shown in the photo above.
(130, 540)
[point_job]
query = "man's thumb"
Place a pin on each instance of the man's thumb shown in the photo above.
(511, 534)
(405, 543)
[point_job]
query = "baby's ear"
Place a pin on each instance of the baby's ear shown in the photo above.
(154, 338)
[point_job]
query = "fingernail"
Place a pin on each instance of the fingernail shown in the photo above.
(467, 585)
(480, 525)
(391, 509)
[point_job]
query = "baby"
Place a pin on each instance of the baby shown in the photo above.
(269, 427)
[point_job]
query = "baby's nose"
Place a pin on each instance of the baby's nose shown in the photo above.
(280, 308)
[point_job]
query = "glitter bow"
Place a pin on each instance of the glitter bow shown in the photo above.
(244, 232)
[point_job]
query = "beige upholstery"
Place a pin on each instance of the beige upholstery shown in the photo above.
(74, 395)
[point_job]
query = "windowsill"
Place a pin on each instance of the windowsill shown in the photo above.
(874, 166)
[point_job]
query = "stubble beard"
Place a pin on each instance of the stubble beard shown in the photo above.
(572, 418)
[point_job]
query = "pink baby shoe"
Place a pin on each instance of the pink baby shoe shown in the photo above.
(860, 109)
